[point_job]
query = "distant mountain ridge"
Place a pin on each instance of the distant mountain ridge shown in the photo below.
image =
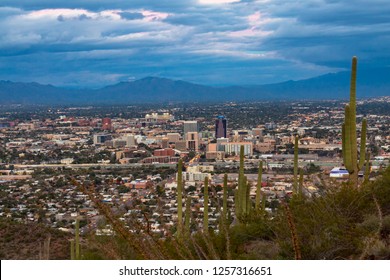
(370, 83)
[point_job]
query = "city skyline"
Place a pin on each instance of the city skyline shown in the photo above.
(220, 127)
(92, 44)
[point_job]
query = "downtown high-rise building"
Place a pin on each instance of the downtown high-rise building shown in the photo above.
(189, 126)
(220, 127)
(192, 142)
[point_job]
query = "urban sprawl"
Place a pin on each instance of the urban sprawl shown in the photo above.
(130, 154)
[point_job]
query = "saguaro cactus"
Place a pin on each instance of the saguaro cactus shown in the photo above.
(248, 202)
(367, 169)
(349, 138)
(295, 184)
(258, 187)
(44, 253)
(75, 243)
(180, 197)
(206, 204)
(242, 199)
(263, 200)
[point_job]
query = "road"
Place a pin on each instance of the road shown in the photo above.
(91, 165)
(324, 164)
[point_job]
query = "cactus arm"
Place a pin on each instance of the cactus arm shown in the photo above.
(248, 201)
(243, 197)
(362, 157)
(263, 200)
(367, 169)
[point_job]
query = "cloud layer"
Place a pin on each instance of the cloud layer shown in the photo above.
(218, 42)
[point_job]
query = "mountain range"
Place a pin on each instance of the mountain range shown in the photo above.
(370, 83)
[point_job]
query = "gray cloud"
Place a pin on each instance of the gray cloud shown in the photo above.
(94, 43)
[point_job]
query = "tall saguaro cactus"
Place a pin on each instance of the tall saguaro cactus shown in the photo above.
(295, 184)
(206, 205)
(75, 244)
(180, 198)
(242, 199)
(44, 253)
(349, 138)
(367, 169)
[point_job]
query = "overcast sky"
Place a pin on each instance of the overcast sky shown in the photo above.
(93, 43)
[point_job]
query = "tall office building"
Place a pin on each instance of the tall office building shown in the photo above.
(192, 142)
(220, 127)
(190, 126)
